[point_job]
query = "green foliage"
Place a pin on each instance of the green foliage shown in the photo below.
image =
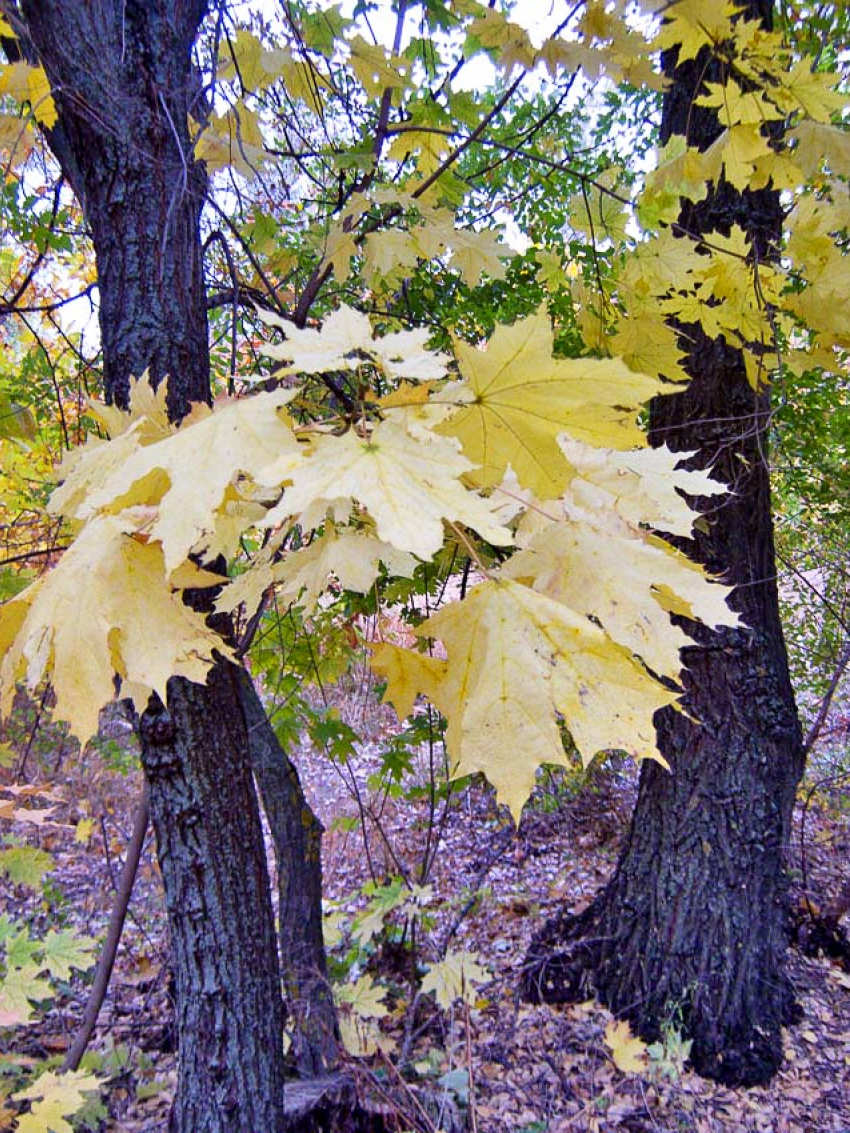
(33, 968)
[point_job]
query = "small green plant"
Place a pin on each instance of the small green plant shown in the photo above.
(34, 970)
(668, 1056)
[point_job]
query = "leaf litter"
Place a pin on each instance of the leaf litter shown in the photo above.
(520, 1068)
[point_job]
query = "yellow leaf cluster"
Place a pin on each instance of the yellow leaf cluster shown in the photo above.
(516, 661)
(55, 1098)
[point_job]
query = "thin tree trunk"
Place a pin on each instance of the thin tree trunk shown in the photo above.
(690, 931)
(297, 835)
(106, 960)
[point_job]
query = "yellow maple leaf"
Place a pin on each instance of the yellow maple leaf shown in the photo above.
(516, 661)
(628, 1053)
(187, 475)
(345, 340)
(407, 675)
(801, 88)
(508, 42)
(429, 147)
(736, 106)
(233, 139)
(475, 254)
(516, 398)
(106, 607)
(601, 566)
(352, 557)
(649, 345)
(364, 996)
(691, 25)
(85, 469)
(26, 83)
(22, 985)
(453, 978)
(147, 414)
(243, 60)
(740, 148)
(376, 69)
(816, 143)
(390, 254)
(359, 1004)
(642, 486)
(408, 485)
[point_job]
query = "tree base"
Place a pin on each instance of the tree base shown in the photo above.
(349, 1102)
(575, 957)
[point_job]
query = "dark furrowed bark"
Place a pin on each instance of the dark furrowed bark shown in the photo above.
(120, 70)
(121, 73)
(211, 853)
(690, 931)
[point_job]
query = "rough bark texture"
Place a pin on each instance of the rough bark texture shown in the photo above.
(691, 929)
(121, 73)
(121, 77)
(297, 836)
(224, 955)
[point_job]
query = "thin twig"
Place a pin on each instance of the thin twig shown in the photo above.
(828, 697)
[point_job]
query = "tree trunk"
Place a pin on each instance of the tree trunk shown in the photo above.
(691, 929)
(297, 836)
(120, 71)
(211, 853)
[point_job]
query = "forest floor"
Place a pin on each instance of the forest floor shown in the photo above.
(508, 1067)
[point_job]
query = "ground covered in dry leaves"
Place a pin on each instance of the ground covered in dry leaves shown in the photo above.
(505, 1067)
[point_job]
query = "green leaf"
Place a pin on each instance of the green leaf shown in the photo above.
(25, 865)
(64, 950)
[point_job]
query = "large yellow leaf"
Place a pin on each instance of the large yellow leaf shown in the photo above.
(352, 557)
(817, 143)
(516, 661)
(516, 398)
(409, 486)
(377, 69)
(188, 474)
(599, 565)
(106, 607)
(84, 470)
(628, 1052)
(649, 345)
(54, 1097)
(148, 411)
(22, 985)
(359, 1005)
(29, 84)
(407, 675)
(453, 978)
